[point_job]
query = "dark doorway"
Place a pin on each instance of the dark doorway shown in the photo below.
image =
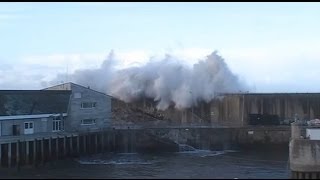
(16, 130)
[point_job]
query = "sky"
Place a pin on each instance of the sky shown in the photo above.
(273, 47)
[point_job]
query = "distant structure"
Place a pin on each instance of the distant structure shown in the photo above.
(63, 108)
(88, 110)
(304, 149)
(237, 109)
(32, 111)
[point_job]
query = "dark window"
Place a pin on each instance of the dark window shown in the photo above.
(88, 104)
(88, 121)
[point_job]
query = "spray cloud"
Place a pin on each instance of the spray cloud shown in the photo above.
(166, 81)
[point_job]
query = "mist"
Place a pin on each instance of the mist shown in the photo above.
(168, 81)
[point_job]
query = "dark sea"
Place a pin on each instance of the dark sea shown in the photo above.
(199, 164)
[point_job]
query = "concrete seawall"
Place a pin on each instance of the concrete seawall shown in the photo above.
(41, 150)
(304, 154)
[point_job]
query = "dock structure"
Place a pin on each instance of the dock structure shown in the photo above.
(38, 149)
(34, 150)
(304, 152)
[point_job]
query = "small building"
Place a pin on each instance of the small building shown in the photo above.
(32, 111)
(88, 110)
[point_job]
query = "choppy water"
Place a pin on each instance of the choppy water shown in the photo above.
(188, 164)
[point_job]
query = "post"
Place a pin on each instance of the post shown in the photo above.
(35, 152)
(78, 144)
(42, 150)
(64, 146)
(102, 141)
(50, 150)
(71, 145)
(57, 147)
(18, 154)
(27, 152)
(295, 131)
(89, 144)
(85, 144)
(9, 154)
(96, 143)
(0, 155)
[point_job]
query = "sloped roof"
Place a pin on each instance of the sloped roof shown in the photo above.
(68, 86)
(30, 102)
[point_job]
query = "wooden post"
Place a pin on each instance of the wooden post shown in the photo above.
(49, 147)
(9, 154)
(96, 143)
(57, 147)
(84, 144)
(71, 145)
(18, 154)
(27, 152)
(0, 155)
(89, 145)
(35, 152)
(42, 151)
(300, 175)
(64, 146)
(102, 142)
(78, 144)
(306, 175)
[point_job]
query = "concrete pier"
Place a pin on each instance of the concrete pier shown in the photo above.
(304, 155)
(39, 150)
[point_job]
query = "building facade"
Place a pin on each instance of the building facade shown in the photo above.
(32, 111)
(88, 110)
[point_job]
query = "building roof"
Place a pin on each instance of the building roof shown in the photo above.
(36, 116)
(68, 86)
(31, 102)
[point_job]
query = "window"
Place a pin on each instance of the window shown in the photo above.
(57, 124)
(77, 95)
(28, 128)
(28, 125)
(87, 105)
(88, 121)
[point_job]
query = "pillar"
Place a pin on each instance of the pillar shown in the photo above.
(295, 131)
(18, 153)
(78, 144)
(102, 142)
(96, 143)
(71, 145)
(9, 154)
(64, 146)
(42, 150)
(35, 152)
(84, 143)
(89, 145)
(306, 175)
(57, 147)
(300, 175)
(0, 155)
(49, 148)
(27, 152)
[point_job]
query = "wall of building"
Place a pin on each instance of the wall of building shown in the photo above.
(101, 113)
(40, 125)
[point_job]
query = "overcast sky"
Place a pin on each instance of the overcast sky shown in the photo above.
(274, 47)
